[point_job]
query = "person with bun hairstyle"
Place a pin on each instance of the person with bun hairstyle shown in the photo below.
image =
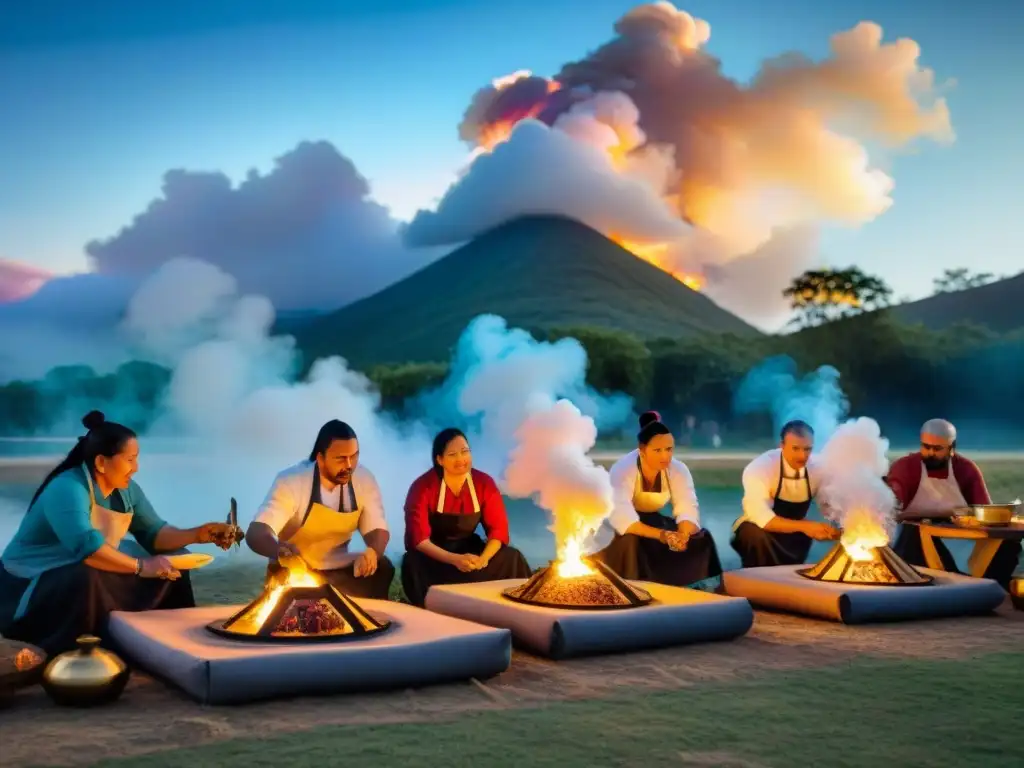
(64, 571)
(443, 509)
(648, 545)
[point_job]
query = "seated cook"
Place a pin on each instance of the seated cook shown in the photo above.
(648, 545)
(937, 480)
(778, 487)
(443, 509)
(314, 508)
(64, 571)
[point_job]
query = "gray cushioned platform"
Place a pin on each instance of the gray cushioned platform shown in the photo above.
(421, 648)
(676, 616)
(781, 588)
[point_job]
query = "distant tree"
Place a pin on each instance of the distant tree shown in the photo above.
(961, 279)
(617, 361)
(820, 296)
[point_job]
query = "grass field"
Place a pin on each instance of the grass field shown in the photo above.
(869, 712)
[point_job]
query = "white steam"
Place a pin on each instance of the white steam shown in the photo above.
(853, 465)
(550, 465)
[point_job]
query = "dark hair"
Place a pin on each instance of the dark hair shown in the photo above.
(329, 432)
(103, 438)
(441, 440)
(796, 427)
(651, 426)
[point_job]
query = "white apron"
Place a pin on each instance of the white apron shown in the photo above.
(936, 494)
(322, 537)
(113, 525)
(472, 494)
(644, 502)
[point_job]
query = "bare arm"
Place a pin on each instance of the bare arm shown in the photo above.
(106, 558)
(262, 540)
(430, 549)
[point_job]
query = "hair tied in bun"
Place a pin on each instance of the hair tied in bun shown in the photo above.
(649, 417)
(93, 420)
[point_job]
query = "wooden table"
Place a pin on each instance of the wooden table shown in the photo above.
(986, 541)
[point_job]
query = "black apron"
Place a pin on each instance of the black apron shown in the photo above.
(456, 533)
(641, 559)
(78, 599)
(758, 547)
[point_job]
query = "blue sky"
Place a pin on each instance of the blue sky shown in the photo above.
(99, 99)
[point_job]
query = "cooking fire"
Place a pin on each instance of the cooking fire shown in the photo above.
(580, 583)
(299, 605)
(863, 556)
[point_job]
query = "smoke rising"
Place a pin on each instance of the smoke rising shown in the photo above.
(19, 281)
(294, 235)
(774, 387)
(746, 162)
(235, 414)
(540, 170)
(550, 465)
(853, 464)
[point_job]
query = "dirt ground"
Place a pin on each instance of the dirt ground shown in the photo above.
(151, 716)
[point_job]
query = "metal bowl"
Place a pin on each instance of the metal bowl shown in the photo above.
(1017, 593)
(991, 514)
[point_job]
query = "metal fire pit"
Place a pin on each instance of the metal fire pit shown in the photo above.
(837, 567)
(356, 623)
(546, 584)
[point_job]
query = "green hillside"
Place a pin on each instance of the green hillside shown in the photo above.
(999, 306)
(537, 273)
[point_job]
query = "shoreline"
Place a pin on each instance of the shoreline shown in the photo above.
(16, 470)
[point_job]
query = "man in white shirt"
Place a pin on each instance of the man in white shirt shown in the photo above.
(314, 508)
(778, 487)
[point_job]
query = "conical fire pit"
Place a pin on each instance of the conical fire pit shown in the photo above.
(875, 566)
(301, 607)
(592, 586)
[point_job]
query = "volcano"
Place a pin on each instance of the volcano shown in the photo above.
(539, 273)
(881, 567)
(598, 589)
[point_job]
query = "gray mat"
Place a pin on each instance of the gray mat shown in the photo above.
(421, 648)
(781, 588)
(678, 616)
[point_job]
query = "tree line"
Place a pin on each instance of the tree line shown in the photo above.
(893, 371)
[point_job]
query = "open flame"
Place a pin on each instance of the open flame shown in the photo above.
(570, 559)
(862, 534)
(656, 254)
(295, 575)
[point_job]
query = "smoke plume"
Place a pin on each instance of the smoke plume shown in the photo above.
(774, 387)
(235, 414)
(306, 235)
(853, 464)
(550, 465)
(740, 163)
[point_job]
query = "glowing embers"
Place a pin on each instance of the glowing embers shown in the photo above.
(876, 566)
(302, 608)
(588, 585)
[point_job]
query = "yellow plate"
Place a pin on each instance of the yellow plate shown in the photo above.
(190, 561)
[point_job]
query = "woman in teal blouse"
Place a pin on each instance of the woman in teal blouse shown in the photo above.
(64, 572)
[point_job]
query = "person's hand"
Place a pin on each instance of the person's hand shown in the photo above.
(466, 563)
(822, 531)
(288, 555)
(221, 534)
(158, 567)
(366, 564)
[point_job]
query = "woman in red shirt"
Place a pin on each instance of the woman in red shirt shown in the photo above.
(442, 511)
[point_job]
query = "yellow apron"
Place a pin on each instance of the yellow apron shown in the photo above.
(323, 535)
(113, 525)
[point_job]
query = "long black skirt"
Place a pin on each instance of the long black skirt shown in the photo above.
(376, 586)
(77, 600)
(758, 548)
(642, 559)
(1004, 563)
(420, 571)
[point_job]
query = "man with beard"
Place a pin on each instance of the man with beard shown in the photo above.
(937, 480)
(314, 508)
